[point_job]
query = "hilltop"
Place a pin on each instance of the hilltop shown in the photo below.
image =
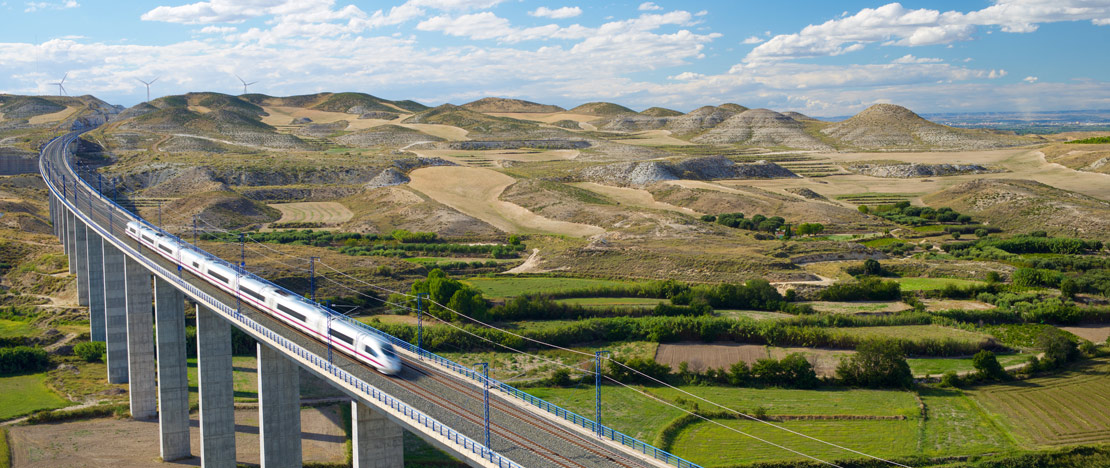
(473, 122)
(348, 103)
(761, 127)
(888, 126)
(505, 105)
(601, 109)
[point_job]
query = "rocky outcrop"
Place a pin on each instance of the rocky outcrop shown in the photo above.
(761, 127)
(710, 168)
(910, 170)
(379, 115)
(387, 178)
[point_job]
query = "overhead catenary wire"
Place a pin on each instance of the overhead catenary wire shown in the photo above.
(617, 362)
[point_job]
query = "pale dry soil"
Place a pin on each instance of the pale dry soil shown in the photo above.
(1020, 163)
(55, 117)
(127, 443)
(653, 138)
(702, 356)
(546, 118)
(314, 212)
(633, 197)
(475, 191)
(519, 155)
(283, 116)
(1095, 333)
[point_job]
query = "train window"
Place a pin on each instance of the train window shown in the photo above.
(371, 351)
(291, 312)
(196, 265)
(387, 350)
(252, 293)
(163, 247)
(218, 276)
(148, 239)
(341, 337)
(281, 293)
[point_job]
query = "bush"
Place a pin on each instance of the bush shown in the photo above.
(407, 237)
(1058, 347)
(636, 369)
(561, 377)
(950, 379)
(876, 364)
(22, 359)
(872, 289)
(987, 365)
(90, 351)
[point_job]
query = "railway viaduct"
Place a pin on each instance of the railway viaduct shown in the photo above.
(136, 302)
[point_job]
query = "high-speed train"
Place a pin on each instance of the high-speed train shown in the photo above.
(289, 308)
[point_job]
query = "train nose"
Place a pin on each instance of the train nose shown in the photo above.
(393, 367)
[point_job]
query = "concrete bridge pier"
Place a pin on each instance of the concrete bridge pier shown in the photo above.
(140, 340)
(376, 442)
(81, 246)
(115, 313)
(279, 409)
(94, 254)
(71, 245)
(217, 393)
(173, 383)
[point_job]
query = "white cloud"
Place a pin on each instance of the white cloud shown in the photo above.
(649, 6)
(1030, 79)
(686, 76)
(558, 13)
(31, 7)
(911, 59)
(752, 40)
(893, 24)
(218, 30)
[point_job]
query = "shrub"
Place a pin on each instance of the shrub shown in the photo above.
(638, 370)
(876, 364)
(872, 267)
(870, 288)
(987, 365)
(22, 359)
(1058, 347)
(561, 377)
(90, 351)
(708, 218)
(950, 379)
(407, 237)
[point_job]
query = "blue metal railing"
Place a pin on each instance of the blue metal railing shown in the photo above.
(323, 365)
(551, 408)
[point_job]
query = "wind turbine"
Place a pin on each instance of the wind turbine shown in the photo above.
(148, 83)
(61, 89)
(245, 84)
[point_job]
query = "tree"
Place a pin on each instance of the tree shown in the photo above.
(876, 364)
(1058, 348)
(956, 235)
(739, 373)
(872, 267)
(950, 379)
(1068, 288)
(987, 364)
(993, 277)
(981, 233)
(90, 351)
(864, 209)
(810, 228)
(963, 219)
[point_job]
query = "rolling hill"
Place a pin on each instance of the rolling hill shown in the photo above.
(495, 105)
(888, 126)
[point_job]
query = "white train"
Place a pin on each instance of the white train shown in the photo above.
(291, 309)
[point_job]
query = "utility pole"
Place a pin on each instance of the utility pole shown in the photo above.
(485, 382)
(597, 391)
(242, 254)
(312, 276)
(420, 323)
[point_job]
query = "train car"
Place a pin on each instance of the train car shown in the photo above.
(310, 318)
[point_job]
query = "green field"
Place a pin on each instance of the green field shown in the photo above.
(512, 287)
(10, 328)
(939, 366)
(243, 373)
(956, 425)
(778, 401)
(1071, 408)
(613, 301)
(930, 284)
(25, 394)
(711, 445)
(622, 409)
(882, 242)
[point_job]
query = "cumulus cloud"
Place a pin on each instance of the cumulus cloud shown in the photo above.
(557, 13)
(1030, 79)
(31, 7)
(649, 6)
(911, 59)
(893, 24)
(752, 40)
(686, 76)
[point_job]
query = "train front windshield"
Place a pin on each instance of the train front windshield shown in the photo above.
(387, 350)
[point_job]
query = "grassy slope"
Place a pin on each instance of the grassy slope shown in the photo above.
(512, 287)
(25, 394)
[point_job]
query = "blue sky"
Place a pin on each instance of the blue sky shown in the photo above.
(818, 57)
